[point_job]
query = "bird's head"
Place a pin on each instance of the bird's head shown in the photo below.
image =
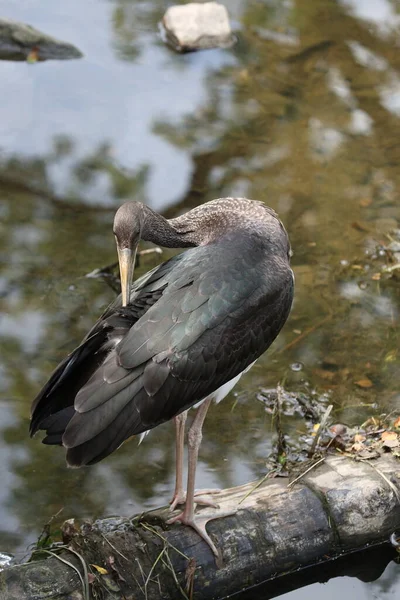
(128, 222)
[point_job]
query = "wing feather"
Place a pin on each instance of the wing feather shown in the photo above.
(192, 324)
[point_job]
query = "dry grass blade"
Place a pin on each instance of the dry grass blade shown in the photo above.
(114, 548)
(159, 557)
(313, 466)
(254, 488)
(152, 530)
(390, 484)
(281, 449)
(321, 427)
(165, 559)
(84, 580)
(170, 566)
(391, 268)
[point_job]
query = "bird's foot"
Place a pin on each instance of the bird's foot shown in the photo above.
(200, 497)
(198, 523)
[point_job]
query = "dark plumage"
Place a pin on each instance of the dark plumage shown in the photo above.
(192, 324)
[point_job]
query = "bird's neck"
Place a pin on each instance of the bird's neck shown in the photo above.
(209, 222)
(169, 233)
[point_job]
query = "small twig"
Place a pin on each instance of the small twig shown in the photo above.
(321, 460)
(305, 334)
(320, 430)
(281, 450)
(45, 536)
(330, 442)
(155, 250)
(391, 268)
(189, 577)
(113, 547)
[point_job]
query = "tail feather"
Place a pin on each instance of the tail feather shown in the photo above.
(82, 411)
(59, 392)
(84, 426)
(126, 424)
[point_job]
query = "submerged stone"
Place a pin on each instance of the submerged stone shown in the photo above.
(5, 560)
(197, 26)
(19, 41)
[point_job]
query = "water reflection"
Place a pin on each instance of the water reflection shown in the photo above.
(307, 125)
(352, 574)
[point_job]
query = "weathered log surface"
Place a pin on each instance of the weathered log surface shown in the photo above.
(18, 41)
(338, 506)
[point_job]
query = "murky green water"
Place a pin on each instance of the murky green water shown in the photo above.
(302, 113)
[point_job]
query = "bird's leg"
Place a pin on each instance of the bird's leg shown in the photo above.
(179, 496)
(187, 517)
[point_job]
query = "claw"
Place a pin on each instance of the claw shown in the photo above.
(198, 523)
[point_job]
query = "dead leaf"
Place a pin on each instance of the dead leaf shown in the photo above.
(357, 447)
(391, 443)
(389, 436)
(364, 383)
(359, 226)
(338, 429)
(114, 567)
(243, 76)
(100, 570)
(364, 202)
(396, 424)
(391, 356)
(376, 276)
(371, 422)
(33, 56)
(325, 374)
(368, 453)
(359, 437)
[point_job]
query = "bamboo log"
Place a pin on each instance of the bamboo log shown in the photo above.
(338, 506)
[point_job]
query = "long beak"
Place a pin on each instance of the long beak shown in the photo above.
(126, 259)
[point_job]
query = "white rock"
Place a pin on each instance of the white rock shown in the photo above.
(196, 26)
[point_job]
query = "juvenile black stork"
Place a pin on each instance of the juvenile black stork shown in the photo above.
(181, 334)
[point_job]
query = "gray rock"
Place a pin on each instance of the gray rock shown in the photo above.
(198, 26)
(19, 41)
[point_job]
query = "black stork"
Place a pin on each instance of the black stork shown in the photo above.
(181, 334)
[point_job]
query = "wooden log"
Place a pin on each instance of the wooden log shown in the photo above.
(336, 507)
